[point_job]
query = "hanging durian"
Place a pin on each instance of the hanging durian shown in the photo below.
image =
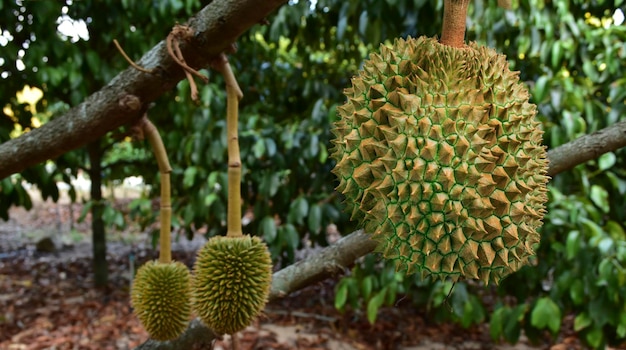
(161, 291)
(232, 274)
(439, 155)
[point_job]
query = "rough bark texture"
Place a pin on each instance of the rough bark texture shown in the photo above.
(98, 231)
(587, 147)
(126, 97)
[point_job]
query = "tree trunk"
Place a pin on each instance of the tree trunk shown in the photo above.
(100, 267)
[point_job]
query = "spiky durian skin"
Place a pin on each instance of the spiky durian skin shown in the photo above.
(439, 155)
(160, 296)
(231, 284)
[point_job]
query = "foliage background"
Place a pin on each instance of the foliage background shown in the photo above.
(292, 71)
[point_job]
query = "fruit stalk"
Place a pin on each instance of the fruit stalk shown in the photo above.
(233, 95)
(151, 132)
(454, 16)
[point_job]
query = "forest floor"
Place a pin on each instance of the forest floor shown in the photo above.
(47, 299)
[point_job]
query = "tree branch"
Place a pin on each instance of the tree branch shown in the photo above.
(125, 99)
(587, 147)
(335, 259)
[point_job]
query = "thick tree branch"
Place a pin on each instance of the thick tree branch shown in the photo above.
(587, 147)
(335, 259)
(125, 99)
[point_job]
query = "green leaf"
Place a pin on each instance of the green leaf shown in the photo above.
(267, 228)
(341, 295)
(209, 199)
(366, 286)
(189, 177)
(572, 245)
(315, 219)
(577, 292)
(600, 197)
(595, 337)
(86, 209)
(582, 321)
(541, 88)
(270, 147)
(513, 323)
(292, 239)
(497, 321)
(374, 304)
(546, 314)
(259, 148)
(298, 211)
(606, 161)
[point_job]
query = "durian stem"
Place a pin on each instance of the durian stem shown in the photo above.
(151, 132)
(454, 16)
(233, 94)
(235, 342)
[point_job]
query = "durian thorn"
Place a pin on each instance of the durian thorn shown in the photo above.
(165, 254)
(233, 95)
(454, 17)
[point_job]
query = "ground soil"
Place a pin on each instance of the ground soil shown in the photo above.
(47, 299)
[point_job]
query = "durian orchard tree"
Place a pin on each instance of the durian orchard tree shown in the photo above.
(292, 72)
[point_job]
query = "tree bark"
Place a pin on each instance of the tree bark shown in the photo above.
(587, 147)
(98, 233)
(125, 99)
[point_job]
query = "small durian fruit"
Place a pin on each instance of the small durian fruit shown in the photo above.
(439, 155)
(231, 283)
(160, 297)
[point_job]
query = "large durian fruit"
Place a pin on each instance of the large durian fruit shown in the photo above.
(439, 155)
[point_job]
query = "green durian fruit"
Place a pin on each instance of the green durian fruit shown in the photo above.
(439, 155)
(160, 297)
(231, 283)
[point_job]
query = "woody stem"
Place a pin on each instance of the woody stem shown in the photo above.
(454, 16)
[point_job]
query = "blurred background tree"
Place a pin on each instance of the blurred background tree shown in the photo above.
(292, 72)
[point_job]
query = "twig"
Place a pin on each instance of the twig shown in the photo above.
(131, 62)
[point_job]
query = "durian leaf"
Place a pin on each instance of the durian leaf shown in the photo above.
(577, 292)
(189, 177)
(606, 161)
(259, 148)
(595, 337)
(290, 235)
(366, 287)
(600, 197)
(315, 219)
(341, 295)
(512, 324)
(267, 228)
(298, 211)
(374, 304)
(572, 244)
(541, 88)
(497, 322)
(546, 314)
(270, 146)
(582, 321)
